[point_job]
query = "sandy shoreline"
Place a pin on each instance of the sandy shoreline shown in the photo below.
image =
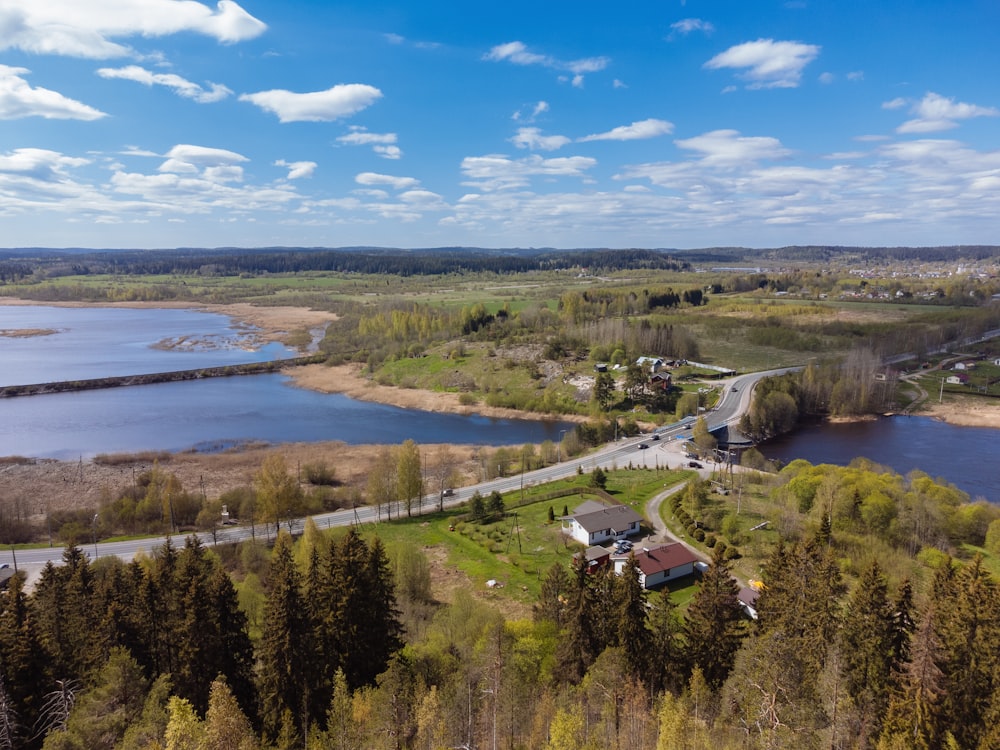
(964, 412)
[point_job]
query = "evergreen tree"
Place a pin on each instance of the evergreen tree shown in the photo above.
(495, 507)
(379, 628)
(866, 650)
(552, 600)
(712, 627)
(284, 652)
(914, 717)
(969, 631)
(226, 726)
(578, 647)
(22, 663)
(665, 654)
(630, 614)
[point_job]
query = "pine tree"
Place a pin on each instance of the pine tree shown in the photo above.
(969, 632)
(21, 659)
(914, 718)
(284, 655)
(665, 654)
(630, 614)
(712, 627)
(552, 600)
(226, 726)
(378, 626)
(866, 650)
(578, 648)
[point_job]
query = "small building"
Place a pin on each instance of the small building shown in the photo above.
(593, 523)
(748, 601)
(653, 364)
(601, 367)
(959, 378)
(661, 380)
(596, 557)
(659, 564)
(997, 361)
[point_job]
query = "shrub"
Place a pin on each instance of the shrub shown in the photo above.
(731, 553)
(710, 540)
(318, 472)
(699, 535)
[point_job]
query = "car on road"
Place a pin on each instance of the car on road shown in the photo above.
(643, 446)
(694, 464)
(655, 437)
(734, 389)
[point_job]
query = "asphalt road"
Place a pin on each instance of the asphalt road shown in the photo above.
(666, 451)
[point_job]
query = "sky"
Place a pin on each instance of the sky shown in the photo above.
(638, 123)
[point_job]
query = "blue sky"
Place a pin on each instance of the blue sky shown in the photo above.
(164, 123)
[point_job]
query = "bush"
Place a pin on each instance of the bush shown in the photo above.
(699, 535)
(710, 540)
(318, 472)
(731, 553)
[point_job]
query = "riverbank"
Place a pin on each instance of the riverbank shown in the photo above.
(964, 411)
(351, 381)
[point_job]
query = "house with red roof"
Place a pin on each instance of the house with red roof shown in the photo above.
(659, 564)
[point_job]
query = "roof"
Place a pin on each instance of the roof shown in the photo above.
(652, 560)
(748, 596)
(595, 553)
(617, 518)
(588, 506)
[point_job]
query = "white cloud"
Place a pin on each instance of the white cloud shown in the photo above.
(636, 131)
(541, 107)
(767, 63)
(728, 148)
(517, 53)
(19, 99)
(687, 25)
(856, 75)
(397, 183)
(499, 172)
(78, 29)
(297, 169)
(619, 84)
(382, 144)
(827, 78)
(38, 163)
(181, 86)
(188, 159)
(339, 101)
(533, 139)
(935, 112)
(394, 38)
(897, 103)
(360, 136)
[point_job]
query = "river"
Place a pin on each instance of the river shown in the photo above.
(78, 343)
(965, 456)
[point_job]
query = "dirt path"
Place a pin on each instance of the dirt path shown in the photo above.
(661, 532)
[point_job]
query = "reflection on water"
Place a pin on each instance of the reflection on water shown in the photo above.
(964, 456)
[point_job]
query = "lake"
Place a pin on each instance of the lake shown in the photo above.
(203, 414)
(213, 413)
(965, 456)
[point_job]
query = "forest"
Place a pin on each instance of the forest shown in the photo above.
(352, 651)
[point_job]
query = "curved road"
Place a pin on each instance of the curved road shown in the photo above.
(734, 401)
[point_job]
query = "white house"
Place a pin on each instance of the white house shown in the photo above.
(957, 379)
(659, 564)
(593, 523)
(653, 363)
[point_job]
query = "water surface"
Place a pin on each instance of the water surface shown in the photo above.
(968, 457)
